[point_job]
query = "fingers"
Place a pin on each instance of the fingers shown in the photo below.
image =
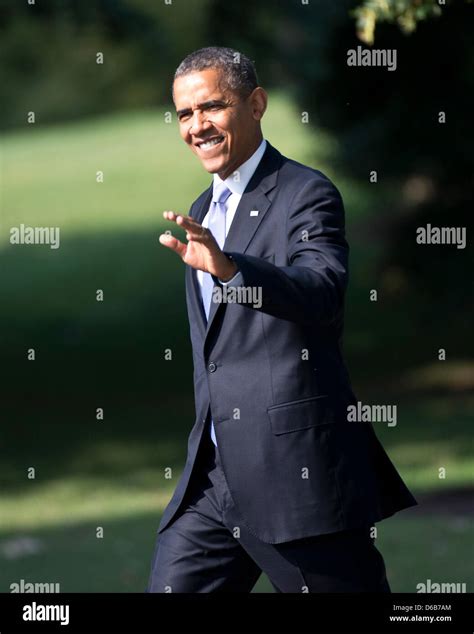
(203, 236)
(194, 231)
(186, 222)
(173, 243)
(169, 215)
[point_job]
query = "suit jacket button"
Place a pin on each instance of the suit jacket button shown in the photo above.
(212, 367)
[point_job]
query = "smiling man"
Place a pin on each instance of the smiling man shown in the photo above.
(277, 479)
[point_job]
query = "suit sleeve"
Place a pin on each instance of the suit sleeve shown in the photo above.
(311, 289)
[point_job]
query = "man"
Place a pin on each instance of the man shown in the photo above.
(276, 479)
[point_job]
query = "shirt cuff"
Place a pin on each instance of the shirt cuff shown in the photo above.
(233, 280)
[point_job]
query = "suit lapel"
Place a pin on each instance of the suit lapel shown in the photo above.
(244, 224)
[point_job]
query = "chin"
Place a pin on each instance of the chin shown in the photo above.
(213, 166)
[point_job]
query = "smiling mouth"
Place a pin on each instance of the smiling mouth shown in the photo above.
(210, 143)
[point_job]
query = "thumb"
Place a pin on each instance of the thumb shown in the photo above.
(173, 243)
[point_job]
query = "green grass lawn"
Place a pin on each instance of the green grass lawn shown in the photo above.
(110, 354)
(414, 551)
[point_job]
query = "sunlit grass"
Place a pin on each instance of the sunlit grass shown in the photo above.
(49, 174)
(69, 501)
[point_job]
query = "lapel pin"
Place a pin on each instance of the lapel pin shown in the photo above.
(254, 212)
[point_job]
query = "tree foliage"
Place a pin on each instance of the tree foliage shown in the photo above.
(406, 13)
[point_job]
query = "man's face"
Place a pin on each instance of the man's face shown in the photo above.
(220, 127)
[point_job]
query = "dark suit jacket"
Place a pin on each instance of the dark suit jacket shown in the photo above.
(294, 465)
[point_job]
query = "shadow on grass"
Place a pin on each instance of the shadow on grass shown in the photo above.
(91, 354)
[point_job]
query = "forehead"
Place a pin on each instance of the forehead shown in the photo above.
(199, 86)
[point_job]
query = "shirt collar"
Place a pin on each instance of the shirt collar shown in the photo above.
(246, 171)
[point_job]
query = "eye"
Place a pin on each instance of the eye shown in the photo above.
(183, 117)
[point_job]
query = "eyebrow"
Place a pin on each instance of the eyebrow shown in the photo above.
(202, 106)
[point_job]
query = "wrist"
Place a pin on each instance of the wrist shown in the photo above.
(229, 271)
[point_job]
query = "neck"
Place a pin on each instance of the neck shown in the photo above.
(252, 149)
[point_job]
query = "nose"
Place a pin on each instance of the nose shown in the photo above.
(199, 123)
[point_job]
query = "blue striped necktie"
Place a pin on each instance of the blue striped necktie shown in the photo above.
(216, 225)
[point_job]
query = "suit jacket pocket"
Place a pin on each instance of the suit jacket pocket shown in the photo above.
(301, 414)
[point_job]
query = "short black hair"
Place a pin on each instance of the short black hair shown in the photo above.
(237, 69)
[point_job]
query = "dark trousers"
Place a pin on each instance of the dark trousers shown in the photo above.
(207, 548)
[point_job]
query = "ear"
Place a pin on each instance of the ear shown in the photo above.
(258, 101)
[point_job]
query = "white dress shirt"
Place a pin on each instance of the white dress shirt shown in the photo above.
(237, 187)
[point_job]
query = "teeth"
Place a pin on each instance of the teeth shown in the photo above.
(208, 144)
